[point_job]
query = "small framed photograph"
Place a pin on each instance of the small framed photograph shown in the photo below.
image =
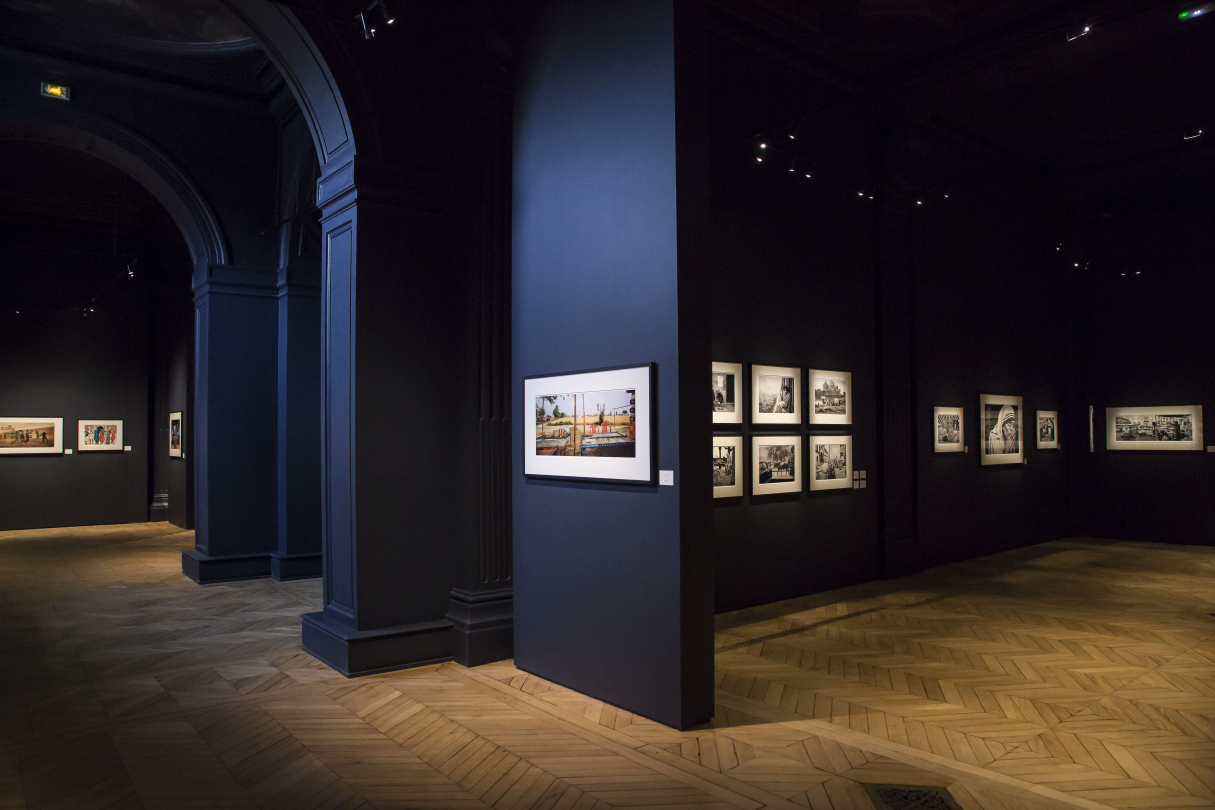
(948, 434)
(830, 462)
(99, 434)
(776, 396)
(1160, 427)
(1048, 430)
(177, 433)
(776, 464)
(595, 425)
(727, 466)
(830, 397)
(1001, 432)
(727, 393)
(25, 436)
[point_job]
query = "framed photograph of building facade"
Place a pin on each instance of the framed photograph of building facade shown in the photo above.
(776, 464)
(830, 397)
(727, 393)
(727, 466)
(99, 434)
(1001, 432)
(25, 436)
(776, 395)
(595, 425)
(830, 462)
(1162, 427)
(177, 433)
(1048, 430)
(947, 430)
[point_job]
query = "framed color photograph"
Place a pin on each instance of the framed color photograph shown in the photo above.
(830, 462)
(177, 433)
(1163, 427)
(99, 434)
(1001, 432)
(22, 435)
(1048, 430)
(776, 395)
(727, 393)
(776, 464)
(595, 425)
(830, 397)
(727, 466)
(947, 430)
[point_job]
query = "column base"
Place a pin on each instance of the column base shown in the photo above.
(205, 570)
(284, 567)
(483, 625)
(366, 652)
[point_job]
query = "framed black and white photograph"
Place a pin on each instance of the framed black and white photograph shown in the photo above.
(776, 464)
(28, 435)
(99, 434)
(776, 395)
(727, 393)
(177, 433)
(1161, 427)
(947, 430)
(727, 466)
(830, 462)
(830, 397)
(1001, 430)
(1048, 430)
(595, 425)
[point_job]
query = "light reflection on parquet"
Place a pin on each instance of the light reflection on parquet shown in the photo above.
(1068, 675)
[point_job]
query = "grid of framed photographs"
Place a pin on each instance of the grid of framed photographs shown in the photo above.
(781, 463)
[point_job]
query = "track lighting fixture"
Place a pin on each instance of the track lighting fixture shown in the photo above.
(368, 30)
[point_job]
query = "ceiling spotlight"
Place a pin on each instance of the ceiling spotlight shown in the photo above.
(1078, 34)
(1192, 134)
(919, 202)
(807, 174)
(1196, 12)
(384, 10)
(860, 194)
(763, 146)
(368, 30)
(759, 160)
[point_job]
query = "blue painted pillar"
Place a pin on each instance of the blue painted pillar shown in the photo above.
(233, 423)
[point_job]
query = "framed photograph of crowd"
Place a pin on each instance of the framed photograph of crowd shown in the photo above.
(830, 397)
(776, 464)
(776, 395)
(177, 433)
(595, 425)
(830, 462)
(947, 430)
(727, 466)
(99, 434)
(1048, 430)
(21, 435)
(1001, 432)
(727, 393)
(1161, 427)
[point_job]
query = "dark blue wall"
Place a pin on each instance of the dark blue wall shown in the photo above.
(598, 599)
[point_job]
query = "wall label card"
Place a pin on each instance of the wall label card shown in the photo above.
(1161, 427)
(1001, 432)
(595, 425)
(28, 435)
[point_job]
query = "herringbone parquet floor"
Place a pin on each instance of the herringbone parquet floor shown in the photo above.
(1065, 675)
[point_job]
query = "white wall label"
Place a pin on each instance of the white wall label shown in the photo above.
(126, 448)
(67, 452)
(666, 478)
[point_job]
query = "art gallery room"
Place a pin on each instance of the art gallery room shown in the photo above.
(354, 428)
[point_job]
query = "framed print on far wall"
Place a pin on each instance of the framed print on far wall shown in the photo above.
(24, 436)
(1048, 430)
(727, 393)
(727, 466)
(595, 425)
(776, 464)
(776, 395)
(99, 434)
(830, 397)
(830, 462)
(1162, 427)
(1001, 430)
(177, 433)
(948, 434)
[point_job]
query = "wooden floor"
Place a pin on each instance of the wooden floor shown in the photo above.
(1066, 675)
